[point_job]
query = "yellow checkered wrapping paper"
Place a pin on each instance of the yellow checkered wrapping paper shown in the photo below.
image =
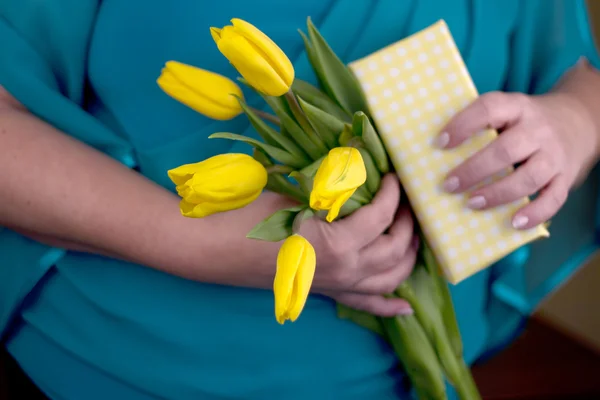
(413, 88)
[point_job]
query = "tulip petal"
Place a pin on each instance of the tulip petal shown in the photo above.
(216, 34)
(275, 56)
(250, 64)
(303, 281)
(205, 208)
(183, 173)
(226, 183)
(208, 93)
(288, 261)
(334, 211)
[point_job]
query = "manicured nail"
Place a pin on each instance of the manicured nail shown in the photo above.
(519, 221)
(442, 140)
(406, 311)
(451, 184)
(476, 202)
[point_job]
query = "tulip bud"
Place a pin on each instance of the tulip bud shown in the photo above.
(210, 94)
(296, 264)
(256, 57)
(221, 183)
(339, 175)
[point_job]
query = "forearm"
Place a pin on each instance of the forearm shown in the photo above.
(581, 84)
(62, 192)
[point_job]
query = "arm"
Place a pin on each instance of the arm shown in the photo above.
(57, 190)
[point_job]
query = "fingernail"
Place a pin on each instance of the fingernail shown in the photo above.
(451, 184)
(406, 311)
(476, 202)
(519, 221)
(442, 140)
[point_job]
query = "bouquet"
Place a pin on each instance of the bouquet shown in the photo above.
(320, 146)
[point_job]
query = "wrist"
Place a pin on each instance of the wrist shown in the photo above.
(578, 94)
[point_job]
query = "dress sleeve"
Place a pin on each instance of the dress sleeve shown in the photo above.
(44, 47)
(550, 37)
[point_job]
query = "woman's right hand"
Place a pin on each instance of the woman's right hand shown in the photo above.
(358, 261)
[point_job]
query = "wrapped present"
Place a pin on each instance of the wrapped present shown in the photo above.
(413, 88)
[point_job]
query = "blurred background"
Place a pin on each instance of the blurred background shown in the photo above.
(557, 355)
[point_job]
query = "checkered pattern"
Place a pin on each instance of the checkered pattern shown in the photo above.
(413, 88)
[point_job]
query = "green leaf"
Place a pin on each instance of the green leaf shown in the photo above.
(311, 169)
(327, 126)
(346, 135)
(360, 318)
(305, 182)
(277, 227)
(272, 137)
(276, 153)
(338, 81)
(319, 99)
(277, 183)
(312, 58)
(417, 356)
(313, 146)
(349, 207)
(373, 175)
(361, 126)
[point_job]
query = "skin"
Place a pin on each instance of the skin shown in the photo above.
(554, 137)
(66, 185)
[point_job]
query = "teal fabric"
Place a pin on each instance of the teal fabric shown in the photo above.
(85, 326)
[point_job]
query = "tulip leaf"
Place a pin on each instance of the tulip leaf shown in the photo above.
(360, 318)
(277, 227)
(349, 207)
(276, 182)
(305, 182)
(313, 146)
(373, 175)
(311, 169)
(312, 58)
(362, 127)
(339, 81)
(327, 126)
(272, 137)
(346, 135)
(319, 99)
(276, 153)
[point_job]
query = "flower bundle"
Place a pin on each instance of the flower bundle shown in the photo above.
(321, 147)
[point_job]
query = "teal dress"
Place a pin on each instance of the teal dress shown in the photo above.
(89, 327)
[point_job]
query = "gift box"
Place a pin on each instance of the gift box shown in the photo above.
(413, 88)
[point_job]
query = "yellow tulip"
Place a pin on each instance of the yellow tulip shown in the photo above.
(296, 264)
(208, 93)
(341, 172)
(221, 183)
(256, 57)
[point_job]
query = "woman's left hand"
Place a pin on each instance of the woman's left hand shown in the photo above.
(552, 137)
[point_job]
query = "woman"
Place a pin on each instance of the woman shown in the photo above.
(107, 292)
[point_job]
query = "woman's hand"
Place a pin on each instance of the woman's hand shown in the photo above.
(357, 261)
(552, 137)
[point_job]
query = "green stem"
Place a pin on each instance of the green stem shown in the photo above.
(467, 389)
(303, 120)
(279, 169)
(266, 116)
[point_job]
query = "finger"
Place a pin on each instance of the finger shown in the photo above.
(527, 180)
(387, 281)
(371, 220)
(544, 207)
(512, 147)
(375, 304)
(389, 249)
(491, 110)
